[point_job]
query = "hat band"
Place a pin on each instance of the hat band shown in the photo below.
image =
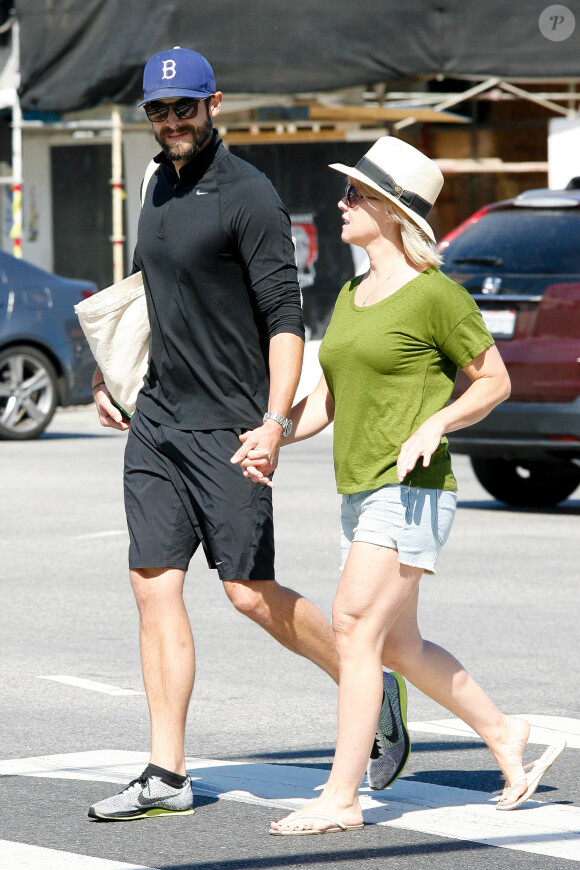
(412, 200)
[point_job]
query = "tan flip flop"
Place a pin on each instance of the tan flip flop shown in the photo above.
(336, 827)
(533, 777)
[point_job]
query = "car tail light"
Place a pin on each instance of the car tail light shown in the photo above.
(563, 438)
(446, 240)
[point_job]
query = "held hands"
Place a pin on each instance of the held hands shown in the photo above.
(259, 454)
(424, 442)
(109, 414)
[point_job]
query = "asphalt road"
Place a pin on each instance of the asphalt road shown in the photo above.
(504, 601)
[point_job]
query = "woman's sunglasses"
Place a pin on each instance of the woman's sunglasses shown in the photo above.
(184, 109)
(352, 195)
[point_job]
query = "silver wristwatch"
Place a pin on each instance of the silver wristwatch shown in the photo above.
(284, 422)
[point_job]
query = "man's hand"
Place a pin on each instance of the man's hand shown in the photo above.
(109, 414)
(258, 455)
(424, 442)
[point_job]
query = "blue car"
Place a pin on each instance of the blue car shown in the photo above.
(45, 360)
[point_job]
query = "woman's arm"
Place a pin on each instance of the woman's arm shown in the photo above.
(312, 414)
(490, 385)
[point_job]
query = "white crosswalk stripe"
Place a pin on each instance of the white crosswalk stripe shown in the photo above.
(91, 685)
(543, 829)
(112, 533)
(544, 730)
(21, 856)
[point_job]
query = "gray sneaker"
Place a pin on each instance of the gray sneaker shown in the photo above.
(392, 745)
(146, 796)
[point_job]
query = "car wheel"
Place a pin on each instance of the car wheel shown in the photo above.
(28, 392)
(524, 483)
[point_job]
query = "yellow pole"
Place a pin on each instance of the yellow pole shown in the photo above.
(118, 195)
(16, 231)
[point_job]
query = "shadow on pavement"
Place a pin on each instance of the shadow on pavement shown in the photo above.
(59, 436)
(328, 858)
(445, 745)
(287, 755)
(301, 754)
(472, 780)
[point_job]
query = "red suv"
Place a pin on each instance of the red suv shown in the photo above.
(520, 260)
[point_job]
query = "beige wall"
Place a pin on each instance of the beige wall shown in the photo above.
(36, 203)
(139, 148)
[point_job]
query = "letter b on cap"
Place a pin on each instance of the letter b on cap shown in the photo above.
(168, 69)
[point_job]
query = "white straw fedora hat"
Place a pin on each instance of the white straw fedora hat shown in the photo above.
(402, 174)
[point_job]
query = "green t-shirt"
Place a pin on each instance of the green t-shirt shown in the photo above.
(391, 366)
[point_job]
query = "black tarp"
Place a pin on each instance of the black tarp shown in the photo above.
(76, 54)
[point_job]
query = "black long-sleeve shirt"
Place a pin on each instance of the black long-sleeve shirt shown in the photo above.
(215, 249)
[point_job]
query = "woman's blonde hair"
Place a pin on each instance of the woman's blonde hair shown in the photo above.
(418, 247)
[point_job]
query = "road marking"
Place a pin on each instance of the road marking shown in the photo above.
(37, 858)
(544, 730)
(459, 814)
(109, 534)
(91, 685)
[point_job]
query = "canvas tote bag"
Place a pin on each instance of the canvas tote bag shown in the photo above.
(116, 325)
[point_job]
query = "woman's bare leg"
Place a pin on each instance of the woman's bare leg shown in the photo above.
(372, 592)
(441, 677)
(375, 619)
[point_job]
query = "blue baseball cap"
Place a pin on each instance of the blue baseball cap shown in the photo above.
(178, 72)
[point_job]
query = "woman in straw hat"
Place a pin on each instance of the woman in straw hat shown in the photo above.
(390, 356)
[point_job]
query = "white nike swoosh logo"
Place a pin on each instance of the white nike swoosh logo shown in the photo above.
(201, 192)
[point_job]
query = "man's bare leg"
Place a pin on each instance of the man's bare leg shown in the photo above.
(168, 661)
(290, 618)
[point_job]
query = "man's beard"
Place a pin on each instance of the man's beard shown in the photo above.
(185, 150)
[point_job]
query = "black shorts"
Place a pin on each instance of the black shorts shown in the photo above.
(182, 490)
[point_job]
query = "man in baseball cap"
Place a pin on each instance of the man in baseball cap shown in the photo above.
(176, 83)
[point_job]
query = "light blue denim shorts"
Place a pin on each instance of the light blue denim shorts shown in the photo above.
(412, 520)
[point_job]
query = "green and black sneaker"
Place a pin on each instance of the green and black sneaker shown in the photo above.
(145, 797)
(392, 745)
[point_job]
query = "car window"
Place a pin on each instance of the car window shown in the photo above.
(525, 241)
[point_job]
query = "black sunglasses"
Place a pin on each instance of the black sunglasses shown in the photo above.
(184, 109)
(352, 195)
